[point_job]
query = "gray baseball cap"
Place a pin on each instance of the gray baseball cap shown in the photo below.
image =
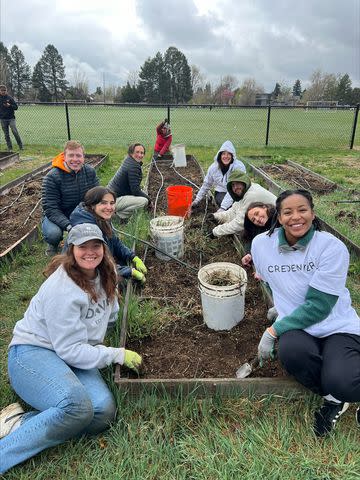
(83, 233)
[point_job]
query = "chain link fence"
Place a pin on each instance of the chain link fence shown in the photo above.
(208, 125)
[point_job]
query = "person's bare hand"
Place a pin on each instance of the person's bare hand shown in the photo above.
(246, 260)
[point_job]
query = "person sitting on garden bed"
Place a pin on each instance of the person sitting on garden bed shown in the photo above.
(126, 183)
(63, 188)
(317, 329)
(57, 350)
(243, 192)
(97, 208)
(163, 139)
(217, 176)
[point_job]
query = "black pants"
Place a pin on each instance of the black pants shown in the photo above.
(5, 125)
(329, 365)
(219, 197)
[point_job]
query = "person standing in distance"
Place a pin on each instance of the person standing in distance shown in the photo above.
(7, 117)
(63, 188)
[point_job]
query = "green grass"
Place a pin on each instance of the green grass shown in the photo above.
(159, 437)
(112, 125)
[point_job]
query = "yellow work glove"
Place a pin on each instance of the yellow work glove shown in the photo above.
(139, 265)
(138, 275)
(132, 360)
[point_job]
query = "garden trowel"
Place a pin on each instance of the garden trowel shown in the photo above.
(247, 368)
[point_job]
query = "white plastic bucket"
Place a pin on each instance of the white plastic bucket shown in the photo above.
(179, 155)
(223, 306)
(167, 233)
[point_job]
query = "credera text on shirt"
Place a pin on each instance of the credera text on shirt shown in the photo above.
(294, 267)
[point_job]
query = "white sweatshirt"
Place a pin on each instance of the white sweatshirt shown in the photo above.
(63, 318)
(214, 177)
(232, 221)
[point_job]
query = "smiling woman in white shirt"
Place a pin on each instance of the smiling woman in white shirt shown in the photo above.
(317, 329)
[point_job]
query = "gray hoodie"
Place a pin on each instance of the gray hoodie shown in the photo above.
(63, 318)
(216, 179)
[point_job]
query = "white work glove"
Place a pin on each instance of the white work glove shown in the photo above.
(266, 347)
(272, 314)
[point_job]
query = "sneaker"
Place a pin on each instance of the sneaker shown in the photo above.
(50, 250)
(10, 418)
(327, 416)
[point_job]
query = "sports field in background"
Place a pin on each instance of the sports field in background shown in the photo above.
(119, 125)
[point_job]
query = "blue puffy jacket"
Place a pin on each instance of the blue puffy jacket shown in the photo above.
(120, 252)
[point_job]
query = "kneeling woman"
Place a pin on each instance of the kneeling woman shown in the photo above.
(56, 351)
(317, 328)
(99, 207)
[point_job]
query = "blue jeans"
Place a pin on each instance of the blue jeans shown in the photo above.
(5, 124)
(68, 402)
(52, 233)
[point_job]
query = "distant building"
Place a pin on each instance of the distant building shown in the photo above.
(262, 99)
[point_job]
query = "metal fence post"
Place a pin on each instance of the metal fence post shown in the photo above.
(67, 121)
(353, 131)
(168, 113)
(268, 125)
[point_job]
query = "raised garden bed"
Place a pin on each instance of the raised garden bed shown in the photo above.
(184, 353)
(7, 159)
(20, 207)
(298, 176)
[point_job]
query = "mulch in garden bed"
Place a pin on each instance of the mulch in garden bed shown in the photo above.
(299, 178)
(17, 214)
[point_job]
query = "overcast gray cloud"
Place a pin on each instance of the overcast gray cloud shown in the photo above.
(271, 41)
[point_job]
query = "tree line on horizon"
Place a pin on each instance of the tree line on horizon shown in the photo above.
(166, 78)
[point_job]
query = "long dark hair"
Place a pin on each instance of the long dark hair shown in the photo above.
(224, 168)
(288, 193)
(106, 270)
(92, 198)
(250, 229)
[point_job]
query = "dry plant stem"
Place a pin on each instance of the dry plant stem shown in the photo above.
(16, 199)
(32, 211)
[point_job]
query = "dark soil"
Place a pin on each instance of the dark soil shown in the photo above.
(185, 347)
(20, 208)
(350, 217)
(299, 178)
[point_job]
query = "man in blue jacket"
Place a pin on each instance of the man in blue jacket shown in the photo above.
(63, 188)
(7, 117)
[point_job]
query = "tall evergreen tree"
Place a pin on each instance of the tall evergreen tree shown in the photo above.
(38, 83)
(154, 80)
(20, 73)
(4, 66)
(344, 90)
(165, 79)
(53, 72)
(296, 90)
(179, 73)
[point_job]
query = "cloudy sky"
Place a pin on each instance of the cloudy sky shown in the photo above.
(269, 40)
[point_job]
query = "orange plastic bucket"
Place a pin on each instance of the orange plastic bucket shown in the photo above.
(179, 199)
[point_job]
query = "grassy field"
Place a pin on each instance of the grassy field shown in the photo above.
(112, 125)
(158, 437)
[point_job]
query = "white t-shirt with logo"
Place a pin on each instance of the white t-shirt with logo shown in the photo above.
(323, 265)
